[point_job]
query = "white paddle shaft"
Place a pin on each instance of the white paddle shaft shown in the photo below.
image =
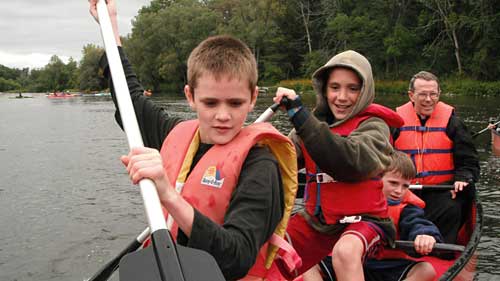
(149, 194)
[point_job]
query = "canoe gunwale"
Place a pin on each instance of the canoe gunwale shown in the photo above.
(471, 246)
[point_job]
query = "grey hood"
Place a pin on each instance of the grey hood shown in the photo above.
(352, 60)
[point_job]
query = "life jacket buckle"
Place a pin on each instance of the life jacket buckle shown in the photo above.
(350, 219)
(324, 178)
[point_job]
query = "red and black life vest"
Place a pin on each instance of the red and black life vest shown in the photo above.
(337, 199)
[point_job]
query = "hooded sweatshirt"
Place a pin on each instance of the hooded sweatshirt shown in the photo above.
(366, 151)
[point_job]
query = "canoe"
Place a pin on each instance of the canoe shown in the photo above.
(60, 95)
(463, 265)
(495, 142)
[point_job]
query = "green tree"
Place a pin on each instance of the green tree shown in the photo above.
(88, 72)
(8, 85)
(162, 39)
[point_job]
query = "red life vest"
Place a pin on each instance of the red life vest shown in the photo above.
(428, 146)
(210, 184)
(395, 214)
(337, 199)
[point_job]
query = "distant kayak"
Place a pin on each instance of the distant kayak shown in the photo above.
(21, 97)
(59, 95)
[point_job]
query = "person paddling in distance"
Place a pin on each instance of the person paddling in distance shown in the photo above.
(237, 184)
(493, 126)
(406, 211)
(442, 150)
(345, 146)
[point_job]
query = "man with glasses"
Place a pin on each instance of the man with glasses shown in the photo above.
(441, 148)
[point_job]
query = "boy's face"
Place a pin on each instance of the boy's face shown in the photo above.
(342, 91)
(395, 186)
(222, 107)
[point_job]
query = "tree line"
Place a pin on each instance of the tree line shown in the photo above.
(291, 38)
(56, 75)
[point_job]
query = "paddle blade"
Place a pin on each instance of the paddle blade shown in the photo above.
(165, 261)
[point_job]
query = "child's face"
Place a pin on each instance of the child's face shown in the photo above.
(342, 91)
(395, 186)
(222, 107)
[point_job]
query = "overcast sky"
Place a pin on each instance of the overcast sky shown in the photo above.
(31, 31)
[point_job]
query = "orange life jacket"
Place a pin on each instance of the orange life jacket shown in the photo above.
(395, 214)
(428, 146)
(395, 210)
(337, 199)
(210, 184)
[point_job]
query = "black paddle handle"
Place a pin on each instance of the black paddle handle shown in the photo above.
(438, 247)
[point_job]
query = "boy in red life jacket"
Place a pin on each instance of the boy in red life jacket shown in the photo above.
(406, 210)
(237, 184)
(344, 146)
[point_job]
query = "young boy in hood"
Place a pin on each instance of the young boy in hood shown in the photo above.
(345, 147)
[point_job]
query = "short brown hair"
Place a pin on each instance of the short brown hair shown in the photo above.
(401, 164)
(425, 75)
(222, 55)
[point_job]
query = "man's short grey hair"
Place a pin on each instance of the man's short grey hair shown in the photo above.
(425, 75)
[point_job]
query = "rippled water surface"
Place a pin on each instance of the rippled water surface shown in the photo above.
(67, 205)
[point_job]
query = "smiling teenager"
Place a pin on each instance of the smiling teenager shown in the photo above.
(345, 146)
(229, 189)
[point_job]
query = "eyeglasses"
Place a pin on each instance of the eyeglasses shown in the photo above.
(424, 96)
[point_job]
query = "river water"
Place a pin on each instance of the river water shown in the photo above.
(67, 205)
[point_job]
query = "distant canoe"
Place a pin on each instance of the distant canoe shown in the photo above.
(61, 95)
(495, 142)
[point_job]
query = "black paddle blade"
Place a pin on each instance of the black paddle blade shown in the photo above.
(165, 261)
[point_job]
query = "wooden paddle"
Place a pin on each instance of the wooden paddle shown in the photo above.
(164, 260)
(109, 268)
(484, 130)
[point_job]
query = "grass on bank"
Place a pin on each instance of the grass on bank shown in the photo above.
(455, 86)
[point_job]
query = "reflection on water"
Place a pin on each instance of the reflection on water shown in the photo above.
(67, 205)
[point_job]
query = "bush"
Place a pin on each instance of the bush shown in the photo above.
(469, 87)
(299, 85)
(391, 87)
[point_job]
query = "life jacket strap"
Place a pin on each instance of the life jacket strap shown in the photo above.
(350, 219)
(286, 253)
(324, 178)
